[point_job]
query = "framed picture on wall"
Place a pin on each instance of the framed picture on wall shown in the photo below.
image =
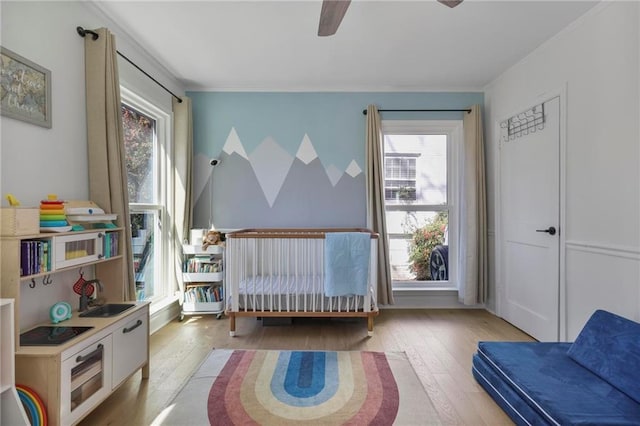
(25, 89)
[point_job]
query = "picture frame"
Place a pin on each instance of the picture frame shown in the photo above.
(25, 89)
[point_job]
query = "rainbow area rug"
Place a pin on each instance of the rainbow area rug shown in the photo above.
(254, 387)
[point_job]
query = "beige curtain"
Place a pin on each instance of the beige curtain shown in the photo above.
(106, 159)
(183, 181)
(376, 218)
(473, 214)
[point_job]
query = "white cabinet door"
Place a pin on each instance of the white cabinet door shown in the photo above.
(72, 250)
(130, 346)
(86, 380)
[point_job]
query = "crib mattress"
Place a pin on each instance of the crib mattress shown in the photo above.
(537, 383)
(282, 285)
(291, 293)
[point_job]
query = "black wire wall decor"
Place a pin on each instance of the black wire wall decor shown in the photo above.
(523, 123)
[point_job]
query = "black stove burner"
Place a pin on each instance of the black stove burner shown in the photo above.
(50, 335)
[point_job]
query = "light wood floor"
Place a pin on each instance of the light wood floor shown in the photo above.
(439, 344)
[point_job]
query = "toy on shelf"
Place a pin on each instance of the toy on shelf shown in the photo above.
(13, 201)
(81, 214)
(211, 238)
(52, 215)
(59, 312)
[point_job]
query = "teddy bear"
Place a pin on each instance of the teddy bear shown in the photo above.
(211, 238)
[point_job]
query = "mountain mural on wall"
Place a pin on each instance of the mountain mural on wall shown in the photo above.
(271, 164)
(269, 187)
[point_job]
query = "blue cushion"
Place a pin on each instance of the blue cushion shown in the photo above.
(516, 407)
(609, 346)
(559, 390)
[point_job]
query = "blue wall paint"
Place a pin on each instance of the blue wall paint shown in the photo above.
(333, 121)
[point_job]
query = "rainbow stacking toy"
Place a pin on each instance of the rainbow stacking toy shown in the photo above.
(33, 405)
(52, 215)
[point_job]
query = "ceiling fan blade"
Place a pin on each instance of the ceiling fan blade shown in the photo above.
(331, 15)
(450, 3)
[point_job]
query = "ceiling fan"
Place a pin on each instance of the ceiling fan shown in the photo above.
(333, 11)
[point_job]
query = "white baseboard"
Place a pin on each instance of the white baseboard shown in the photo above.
(164, 316)
(427, 298)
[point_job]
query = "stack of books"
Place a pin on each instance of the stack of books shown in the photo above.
(203, 294)
(35, 257)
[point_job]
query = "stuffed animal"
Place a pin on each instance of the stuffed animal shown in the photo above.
(211, 238)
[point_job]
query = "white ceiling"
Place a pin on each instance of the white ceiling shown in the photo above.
(393, 45)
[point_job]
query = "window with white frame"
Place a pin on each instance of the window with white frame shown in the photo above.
(399, 177)
(421, 163)
(146, 138)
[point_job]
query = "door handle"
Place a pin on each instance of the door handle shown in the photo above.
(550, 230)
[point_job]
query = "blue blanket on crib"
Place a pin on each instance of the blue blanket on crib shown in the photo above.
(346, 263)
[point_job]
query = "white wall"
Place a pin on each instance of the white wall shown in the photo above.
(597, 60)
(35, 161)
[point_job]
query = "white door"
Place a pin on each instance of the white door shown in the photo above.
(530, 215)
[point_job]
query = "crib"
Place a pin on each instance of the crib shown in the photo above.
(280, 273)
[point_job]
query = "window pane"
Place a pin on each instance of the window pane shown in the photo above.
(428, 249)
(418, 245)
(139, 145)
(405, 222)
(144, 252)
(420, 161)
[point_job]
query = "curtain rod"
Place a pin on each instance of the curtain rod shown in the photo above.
(82, 32)
(364, 111)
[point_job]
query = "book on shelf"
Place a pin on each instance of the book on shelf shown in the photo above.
(202, 264)
(110, 245)
(203, 294)
(35, 257)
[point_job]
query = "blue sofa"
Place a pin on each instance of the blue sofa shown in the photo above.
(593, 381)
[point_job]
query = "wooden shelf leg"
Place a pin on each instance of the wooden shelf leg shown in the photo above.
(232, 324)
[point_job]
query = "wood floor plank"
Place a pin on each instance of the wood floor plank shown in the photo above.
(440, 400)
(488, 409)
(438, 342)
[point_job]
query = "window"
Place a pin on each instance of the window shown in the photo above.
(146, 142)
(420, 164)
(399, 177)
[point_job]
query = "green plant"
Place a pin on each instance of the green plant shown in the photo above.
(423, 241)
(406, 193)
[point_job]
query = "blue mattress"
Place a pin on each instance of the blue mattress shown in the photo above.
(538, 384)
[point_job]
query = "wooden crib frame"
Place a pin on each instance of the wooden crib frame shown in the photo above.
(266, 260)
